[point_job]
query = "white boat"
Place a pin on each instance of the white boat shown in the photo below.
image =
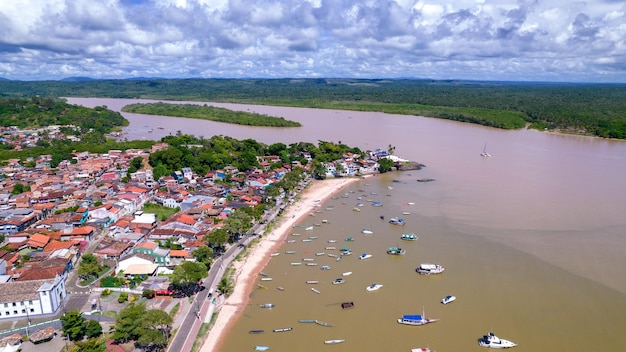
(365, 256)
(274, 254)
(267, 305)
(261, 348)
(347, 273)
(325, 267)
(427, 269)
(397, 221)
(415, 319)
(315, 290)
(333, 342)
(448, 299)
(492, 341)
(420, 349)
(484, 154)
(373, 287)
(282, 329)
(367, 231)
(339, 281)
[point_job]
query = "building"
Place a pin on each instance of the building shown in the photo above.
(19, 299)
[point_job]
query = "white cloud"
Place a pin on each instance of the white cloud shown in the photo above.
(471, 39)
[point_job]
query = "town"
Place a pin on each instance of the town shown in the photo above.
(87, 225)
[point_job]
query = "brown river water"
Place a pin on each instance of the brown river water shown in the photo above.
(533, 239)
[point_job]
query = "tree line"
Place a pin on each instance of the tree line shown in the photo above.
(207, 112)
(594, 109)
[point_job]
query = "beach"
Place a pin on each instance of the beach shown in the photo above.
(247, 269)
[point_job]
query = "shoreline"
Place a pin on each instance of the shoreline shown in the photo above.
(246, 270)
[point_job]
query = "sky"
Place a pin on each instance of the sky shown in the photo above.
(495, 40)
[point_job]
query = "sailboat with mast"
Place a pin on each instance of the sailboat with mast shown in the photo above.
(484, 154)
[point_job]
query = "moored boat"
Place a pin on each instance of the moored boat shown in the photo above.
(448, 299)
(367, 231)
(396, 251)
(396, 221)
(339, 281)
(373, 287)
(261, 348)
(415, 319)
(408, 237)
(420, 349)
(333, 342)
(427, 269)
(267, 305)
(346, 305)
(365, 256)
(492, 341)
(315, 290)
(256, 331)
(306, 321)
(282, 329)
(323, 323)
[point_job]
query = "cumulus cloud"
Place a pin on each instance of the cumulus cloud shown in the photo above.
(544, 40)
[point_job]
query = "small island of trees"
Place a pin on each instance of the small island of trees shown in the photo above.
(207, 112)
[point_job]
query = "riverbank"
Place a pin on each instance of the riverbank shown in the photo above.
(247, 269)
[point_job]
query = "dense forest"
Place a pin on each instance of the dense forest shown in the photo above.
(212, 113)
(593, 109)
(41, 112)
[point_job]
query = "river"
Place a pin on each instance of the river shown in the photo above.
(532, 238)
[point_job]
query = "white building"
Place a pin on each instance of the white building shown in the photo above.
(19, 299)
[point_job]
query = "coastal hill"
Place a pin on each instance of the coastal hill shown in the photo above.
(589, 109)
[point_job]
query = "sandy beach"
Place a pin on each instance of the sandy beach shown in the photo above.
(247, 269)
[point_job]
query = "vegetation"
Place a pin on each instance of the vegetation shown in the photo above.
(595, 109)
(188, 273)
(89, 268)
(212, 113)
(73, 325)
(162, 213)
(148, 328)
(42, 112)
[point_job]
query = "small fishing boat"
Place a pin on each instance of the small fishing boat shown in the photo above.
(406, 213)
(332, 255)
(280, 288)
(332, 241)
(420, 349)
(408, 237)
(266, 279)
(261, 287)
(333, 342)
(290, 252)
(311, 264)
(267, 305)
(396, 251)
(315, 290)
(347, 273)
(331, 248)
(307, 240)
(282, 330)
(397, 221)
(262, 274)
(346, 305)
(274, 254)
(325, 267)
(323, 323)
(312, 282)
(367, 231)
(448, 299)
(306, 321)
(319, 254)
(307, 259)
(349, 239)
(427, 269)
(365, 256)
(373, 287)
(415, 319)
(256, 331)
(261, 348)
(296, 263)
(339, 281)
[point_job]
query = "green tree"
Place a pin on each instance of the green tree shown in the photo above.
(93, 329)
(216, 238)
(154, 329)
(89, 266)
(385, 165)
(204, 254)
(225, 286)
(188, 273)
(73, 325)
(128, 321)
(91, 345)
(18, 188)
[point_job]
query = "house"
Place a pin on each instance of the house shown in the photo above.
(136, 265)
(161, 256)
(19, 299)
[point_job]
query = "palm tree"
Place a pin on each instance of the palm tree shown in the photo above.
(225, 287)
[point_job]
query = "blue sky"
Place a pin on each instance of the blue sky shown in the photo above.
(524, 40)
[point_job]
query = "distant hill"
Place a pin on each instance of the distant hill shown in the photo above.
(77, 79)
(4, 79)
